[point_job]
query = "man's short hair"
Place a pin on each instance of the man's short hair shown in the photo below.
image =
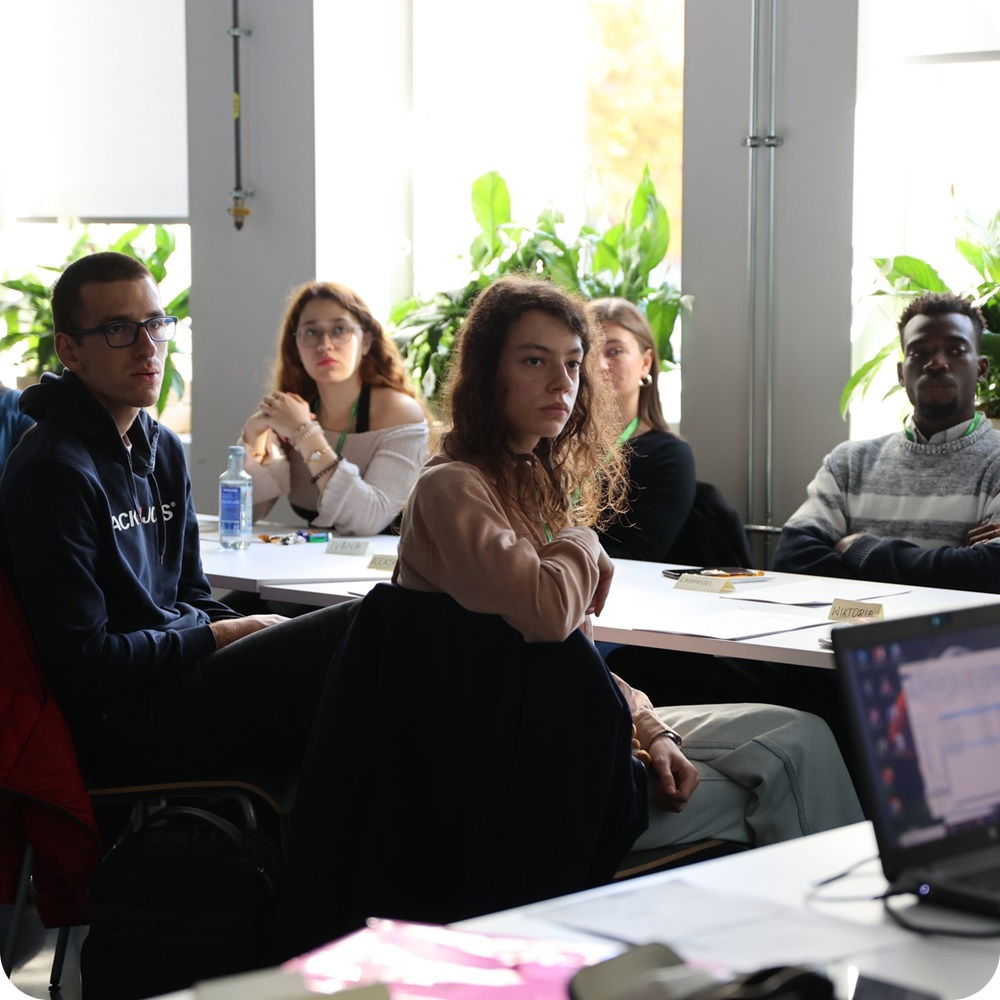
(940, 304)
(97, 268)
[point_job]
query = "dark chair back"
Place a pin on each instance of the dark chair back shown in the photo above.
(713, 534)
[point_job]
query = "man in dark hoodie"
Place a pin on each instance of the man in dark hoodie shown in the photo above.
(157, 679)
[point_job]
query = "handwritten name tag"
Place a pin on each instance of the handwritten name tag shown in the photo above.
(706, 584)
(348, 547)
(842, 610)
(386, 562)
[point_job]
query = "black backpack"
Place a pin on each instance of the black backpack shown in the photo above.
(188, 896)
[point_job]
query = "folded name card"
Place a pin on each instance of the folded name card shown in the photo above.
(386, 562)
(348, 547)
(706, 584)
(842, 610)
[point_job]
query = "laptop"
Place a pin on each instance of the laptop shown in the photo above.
(923, 703)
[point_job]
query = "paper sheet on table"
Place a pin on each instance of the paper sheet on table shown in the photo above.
(814, 593)
(738, 931)
(739, 623)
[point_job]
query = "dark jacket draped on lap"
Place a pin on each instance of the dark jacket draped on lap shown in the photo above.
(455, 769)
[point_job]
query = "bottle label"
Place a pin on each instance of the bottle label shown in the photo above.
(235, 515)
(230, 509)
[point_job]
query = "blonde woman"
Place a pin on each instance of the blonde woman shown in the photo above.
(660, 465)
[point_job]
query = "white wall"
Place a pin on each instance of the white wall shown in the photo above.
(240, 278)
(814, 102)
(93, 100)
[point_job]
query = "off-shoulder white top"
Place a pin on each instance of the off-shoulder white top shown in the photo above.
(367, 490)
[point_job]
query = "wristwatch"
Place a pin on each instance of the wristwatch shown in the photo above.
(674, 737)
(318, 453)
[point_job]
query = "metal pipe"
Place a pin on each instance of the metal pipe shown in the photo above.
(752, 142)
(238, 210)
(771, 143)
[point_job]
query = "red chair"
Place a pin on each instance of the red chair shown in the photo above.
(50, 833)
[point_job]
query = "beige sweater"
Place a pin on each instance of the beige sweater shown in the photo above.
(458, 538)
(541, 588)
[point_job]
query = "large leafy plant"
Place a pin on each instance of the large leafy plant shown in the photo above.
(625, 260)
(908, 277)
(27, 319)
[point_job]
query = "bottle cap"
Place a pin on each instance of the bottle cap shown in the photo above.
(236, 451)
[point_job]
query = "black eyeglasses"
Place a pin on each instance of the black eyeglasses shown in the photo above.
(124, 333)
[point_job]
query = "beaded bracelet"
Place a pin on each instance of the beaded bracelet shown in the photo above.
(322, 472)
(303, 430)
(641, 755)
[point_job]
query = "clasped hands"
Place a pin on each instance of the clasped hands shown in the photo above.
(281, 412)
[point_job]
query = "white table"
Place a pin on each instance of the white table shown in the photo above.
(861, 937)
(643, 600)
(784, 873)
(318, 594)
(306, 562)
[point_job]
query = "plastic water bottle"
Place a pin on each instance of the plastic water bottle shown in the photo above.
(235, 502)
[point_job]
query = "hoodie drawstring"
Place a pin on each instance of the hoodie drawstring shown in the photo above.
(161, 531)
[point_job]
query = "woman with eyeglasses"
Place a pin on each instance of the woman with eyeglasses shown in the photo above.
(341, 434)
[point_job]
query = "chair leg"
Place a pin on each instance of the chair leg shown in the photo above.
(57, 960)
(20, 902)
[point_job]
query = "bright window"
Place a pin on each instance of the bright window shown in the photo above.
(925, 157)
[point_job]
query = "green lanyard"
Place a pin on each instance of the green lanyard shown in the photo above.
(622, 438)
(343, 433)
(628, 432)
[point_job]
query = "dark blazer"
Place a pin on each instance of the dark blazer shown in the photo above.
(453, 770)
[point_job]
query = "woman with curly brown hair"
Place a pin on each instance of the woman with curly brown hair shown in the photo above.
(502, 518)
(526, 467)
(341, 434)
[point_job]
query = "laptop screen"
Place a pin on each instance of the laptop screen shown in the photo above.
(924, 701)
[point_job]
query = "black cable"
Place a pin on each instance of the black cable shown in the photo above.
(898, 919)
(812, 894)
(845, 872)
(895, 916)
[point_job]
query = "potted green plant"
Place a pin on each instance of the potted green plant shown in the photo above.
(626, 259)
(28, 318)
(908, 277)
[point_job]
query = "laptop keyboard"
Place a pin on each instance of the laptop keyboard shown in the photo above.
(988, 879)
(977, 870)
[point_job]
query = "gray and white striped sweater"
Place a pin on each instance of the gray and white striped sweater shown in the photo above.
(914, 504)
